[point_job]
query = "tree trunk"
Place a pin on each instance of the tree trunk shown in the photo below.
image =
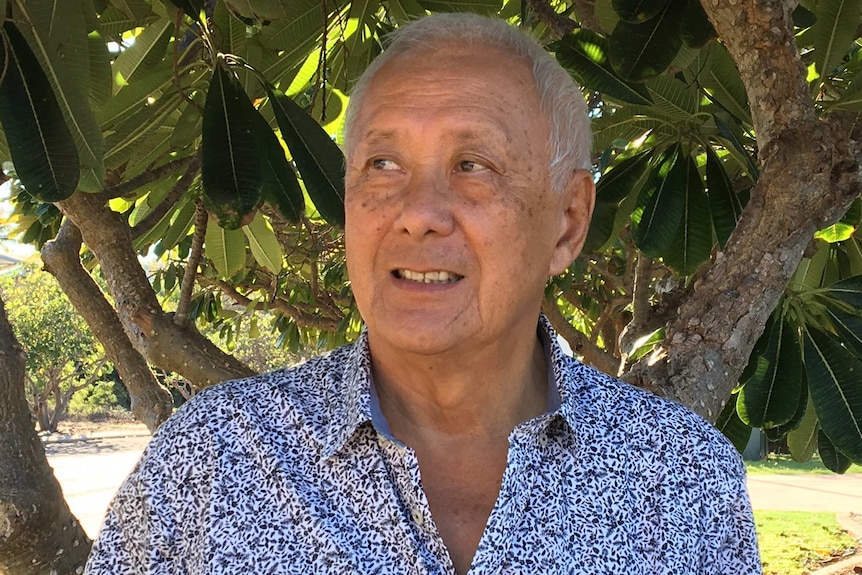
(809, 177)
(38, 533)
(151, 403)
(181, 349)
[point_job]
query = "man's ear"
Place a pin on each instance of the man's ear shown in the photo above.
(579, 197)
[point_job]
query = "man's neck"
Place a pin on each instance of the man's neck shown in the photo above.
(482, 395)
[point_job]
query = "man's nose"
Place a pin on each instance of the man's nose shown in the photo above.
(426, 205)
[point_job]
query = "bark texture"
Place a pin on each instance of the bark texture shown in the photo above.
(153, 332)
(151, 403)
(809, 177)
(38, 533)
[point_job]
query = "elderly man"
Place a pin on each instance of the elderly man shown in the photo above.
(454, 436)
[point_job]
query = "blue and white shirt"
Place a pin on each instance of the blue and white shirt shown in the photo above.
(288, 473)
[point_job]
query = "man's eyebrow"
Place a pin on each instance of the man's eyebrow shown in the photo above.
(374, 137)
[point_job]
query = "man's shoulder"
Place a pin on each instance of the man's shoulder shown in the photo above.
(657, 428)
(299, 398)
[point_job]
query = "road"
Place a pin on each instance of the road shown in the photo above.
(91, 471)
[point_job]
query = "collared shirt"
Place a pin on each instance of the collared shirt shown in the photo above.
(288, 473)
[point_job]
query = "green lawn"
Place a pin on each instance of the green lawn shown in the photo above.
(784, 465)
(792, 542)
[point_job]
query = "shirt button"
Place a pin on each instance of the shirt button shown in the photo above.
(417, 517)
(543, 440)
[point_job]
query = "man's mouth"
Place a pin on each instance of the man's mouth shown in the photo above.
(435, 277)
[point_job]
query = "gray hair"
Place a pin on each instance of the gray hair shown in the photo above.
(561, 99)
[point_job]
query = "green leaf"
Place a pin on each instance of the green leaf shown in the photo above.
(148, 50)
(853, 247)
(642, 51)
(770, 397)
(226, 249)
(46, 37)
(137, 10)
(724, 205)
(834, 32)
(134, 97)
(802, 441)
(231, 168)
(40, 143)
(191, 8)
(673, 98)
(181, 223)
(637, 11)
(100, 70)
(405, 11)
(663, 204)
(716, 72)
(696, 30)
(584, 54)
(606, 15)
(320, 161)
(601, 226)
(487, 7)
(732, 427)
(849, 328)
(801, 405)
(263, 243)
(834, 383)
(620, 179)
(832, 458)
(280, 186)
(627, 124)
(693, 241)
(847, 290)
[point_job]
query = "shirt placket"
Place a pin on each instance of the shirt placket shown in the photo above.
(428, 546)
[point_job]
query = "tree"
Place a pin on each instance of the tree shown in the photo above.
(63, 357)
(723, 259)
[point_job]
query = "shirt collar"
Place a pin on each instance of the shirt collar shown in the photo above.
(355, 401)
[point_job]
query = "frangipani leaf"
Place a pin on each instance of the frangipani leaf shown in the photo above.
(832, 457)
(40, 143)
(731, 426)
(770, 396)
(637, 11)
(693, 240)
(802, 441)
(662, 198)
(836, 390)
(584, 54)
(642, 51)
(834, 32)
(320, 161)
(280, 186)
(724, 205)
(226, 248)
(263, 243)
(231, 168)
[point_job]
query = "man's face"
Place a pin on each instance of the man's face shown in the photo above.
(452, 228)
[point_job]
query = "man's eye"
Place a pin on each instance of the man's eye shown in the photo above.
(382, 164)
(470, 166)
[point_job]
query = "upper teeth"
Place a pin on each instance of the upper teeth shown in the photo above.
(429, 277)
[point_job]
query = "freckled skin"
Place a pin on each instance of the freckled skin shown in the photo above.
(497, 225)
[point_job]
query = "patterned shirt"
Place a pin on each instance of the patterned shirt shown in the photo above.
(289, 473)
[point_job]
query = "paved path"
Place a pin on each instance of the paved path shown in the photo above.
(90, 472)
(837, 493)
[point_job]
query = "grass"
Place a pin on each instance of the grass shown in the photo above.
(792, 542)
(784, 465)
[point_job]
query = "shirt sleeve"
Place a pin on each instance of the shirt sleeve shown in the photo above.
(739, 554)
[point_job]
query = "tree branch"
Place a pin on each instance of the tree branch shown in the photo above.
(560, 24)
(180, 188)
(182, 314)
(152, 331)
(148, 177)
(151, 403)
